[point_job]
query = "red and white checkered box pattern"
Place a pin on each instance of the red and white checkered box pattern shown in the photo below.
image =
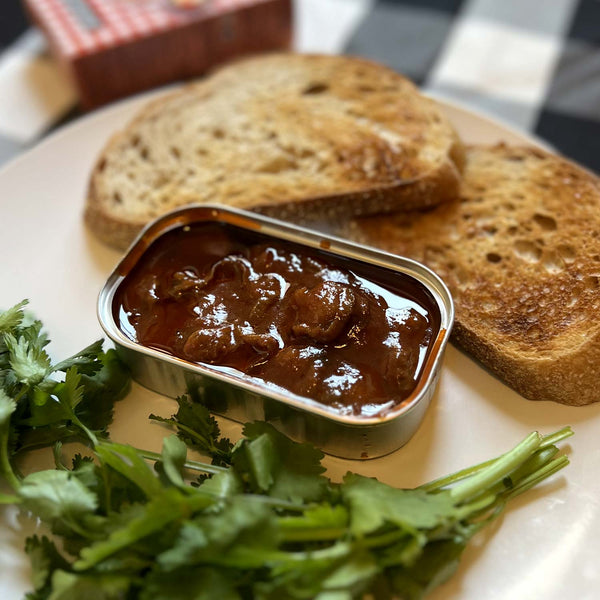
(120, 21)
(114, 48)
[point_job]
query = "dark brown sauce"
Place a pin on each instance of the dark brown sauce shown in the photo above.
(346, 334)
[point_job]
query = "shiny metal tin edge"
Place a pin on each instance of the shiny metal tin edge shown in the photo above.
(348, 436)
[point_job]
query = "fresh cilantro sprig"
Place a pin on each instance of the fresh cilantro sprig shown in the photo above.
(42, 403)
(264, 522)
(199, 430)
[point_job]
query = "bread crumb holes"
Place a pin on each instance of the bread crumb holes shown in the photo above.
(552, 262)
(545, 222)
(567, 253)
(527, 250)
(315, 88)
(493, 257)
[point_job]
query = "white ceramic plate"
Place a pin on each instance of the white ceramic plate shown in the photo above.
(547, 544)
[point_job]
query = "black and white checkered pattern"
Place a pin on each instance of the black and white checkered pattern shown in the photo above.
(535, 65)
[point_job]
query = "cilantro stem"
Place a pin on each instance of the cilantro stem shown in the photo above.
(493, 513)
(5, 466)
(8, 499)
(56, 451)
(314, 534)
(107, 489)
(278, 503)
(447, 480)
(190, 464)
(437, 484)
(552, 467)
(21, 393)
(8, 472)
(93, 439)
(500, 468)
(557, 436)
(384, 539)
(482, 503)
(74, 526)
(337, 550)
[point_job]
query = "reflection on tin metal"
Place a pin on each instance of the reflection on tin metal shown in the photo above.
(331, 342)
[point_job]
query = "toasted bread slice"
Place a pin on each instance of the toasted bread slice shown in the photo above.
(295, 136)
(520, 252)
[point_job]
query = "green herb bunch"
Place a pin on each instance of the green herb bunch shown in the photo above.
(260, 522)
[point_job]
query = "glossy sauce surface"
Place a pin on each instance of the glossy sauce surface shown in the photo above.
(301, 319)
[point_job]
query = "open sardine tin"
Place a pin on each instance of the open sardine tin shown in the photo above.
(242, 398)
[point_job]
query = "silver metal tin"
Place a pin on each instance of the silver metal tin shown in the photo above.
(243, 399)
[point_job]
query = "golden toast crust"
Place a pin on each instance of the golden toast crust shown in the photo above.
(520, 252)
(303, 137)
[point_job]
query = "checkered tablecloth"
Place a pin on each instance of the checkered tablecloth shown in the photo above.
(534, 64)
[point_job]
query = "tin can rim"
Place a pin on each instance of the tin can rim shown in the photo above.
(308, 238)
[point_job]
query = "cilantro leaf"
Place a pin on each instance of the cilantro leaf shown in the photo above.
(223, 485)
(48, 412)
(163, 509)
(28, 360)
(278, 466)
(374, 504)
(70, 392)
(7, 408)
(171, 465)
(80, 407)
(128, 462)
(434, 566)
(45, 559)
(237, 536)
(101, 390)
(199, 583)
(85, 469)
(352, 577)
(86, 360)
(198, 429)
(11, 318)
(31, 330)
(71, 586)
(56, 495)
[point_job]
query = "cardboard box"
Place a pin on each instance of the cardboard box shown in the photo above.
(113, 48)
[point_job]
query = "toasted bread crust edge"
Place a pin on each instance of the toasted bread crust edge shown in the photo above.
(432, 189)
(438, 187)
(570, 380)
